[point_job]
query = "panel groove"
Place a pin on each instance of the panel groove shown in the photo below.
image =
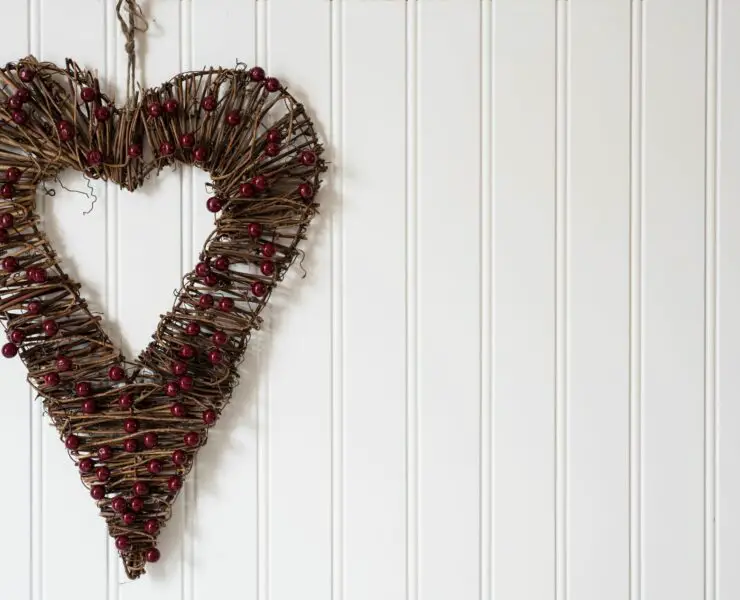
(636, 187)
(710, 375)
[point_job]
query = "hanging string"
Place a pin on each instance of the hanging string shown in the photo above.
(136, 22)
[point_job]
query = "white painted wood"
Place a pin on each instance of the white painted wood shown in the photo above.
(499, 349)
(728, 296)
(448, 301)
(524, 301)
(299, 358)
(596, 328)
(673, 300)
(374, 501)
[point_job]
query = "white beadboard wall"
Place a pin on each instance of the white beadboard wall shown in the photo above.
(511, 371)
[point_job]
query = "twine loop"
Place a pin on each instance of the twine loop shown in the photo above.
(136, 22)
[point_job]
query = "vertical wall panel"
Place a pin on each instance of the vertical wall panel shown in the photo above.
(597, 301)
(153, 213)
(227, 466)
(728, 301)
(16, 441)
(374, 106)
(448, 257)
(299, 364)
(524, 300)
(71, 527)
(673, 300)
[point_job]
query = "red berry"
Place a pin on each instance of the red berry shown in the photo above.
(272, 149)
(97, 492)
(10, 350)
(66, 132)
(10, 264)
(308, 158)
(187, 140)
(151, 440)
(274, 136)
(34, 307)
(116, 373)
(191, 439)
(171, 105)
(205, 301)
(94, 157)
(89, 406)
(27, 74)
(126, 401)
(171, 389)
(260, 183)
(166, 149)
(131, 426)
(305, 190)
(122, 542)
(86, 465)
(202, 269)
(130, 445)
(7, 220)
(211, 279)
(200, 154)
(7, 190)
(209, 416)
(215, 356)
(105, 453)
(221, 263)
(154, 466)
(51, 379)
(179, 457)
(178, 410)
(118, 504)
(226, 304)
(233, 118)
(267, 268)
(246, 190)
(83, 389)
(137, 504)
(141, 488)
(268, 249)
(186, 383)
(214, 204)
(22, 94)
(88, 94)
(254, 230)
(174, 484)
(37, 275)
(50, 327)
(152, 555)
(134, 150)
(259, 288)
(102, 473)
(17, 336)
(256, 73)
(129, 519)
(187, 351)
(15, 103)
(219, 338)
(154, 109)
(179, 367)
(209, 103)
(12, 175)
(151, 526)
(72, 442)
(102, 113)
(3, 235)
(192, 328)
(272, 84)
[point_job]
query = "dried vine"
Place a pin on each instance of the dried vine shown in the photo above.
(133, 427)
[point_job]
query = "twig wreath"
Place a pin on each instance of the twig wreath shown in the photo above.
(133, 427)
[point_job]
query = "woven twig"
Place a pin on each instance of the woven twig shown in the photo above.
(262, 153)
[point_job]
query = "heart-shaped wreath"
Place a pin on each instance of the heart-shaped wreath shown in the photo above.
(133, 428)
